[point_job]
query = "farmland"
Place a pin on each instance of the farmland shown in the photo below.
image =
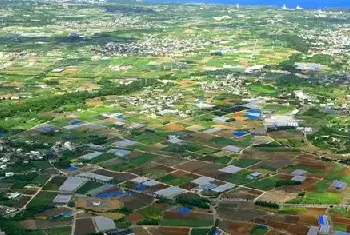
(171, 118)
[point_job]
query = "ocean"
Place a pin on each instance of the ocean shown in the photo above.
(313, 4)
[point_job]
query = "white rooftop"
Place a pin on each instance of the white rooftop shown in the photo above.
(170, 192)
(203, 180)
(90, 156)
(232, 148)
(230, 169)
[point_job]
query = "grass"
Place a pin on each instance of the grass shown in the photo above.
(134, 162)
(42, 199)
(186, 223)
(200, 231)
(245, 162)
(103, 157)
(292, 211)
(55, 183)
(151, 212)
(258, 231)
(40, 179)
(264, 184)
(88, 186)
(58, 231)
(172, 180)
(317, 198)
(240, 177)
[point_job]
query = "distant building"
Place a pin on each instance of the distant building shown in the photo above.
(62, 199)
(339, 185)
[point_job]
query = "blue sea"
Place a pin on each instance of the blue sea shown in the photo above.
(315, 4)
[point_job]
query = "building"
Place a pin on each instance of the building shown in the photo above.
(96, 177)
(299, 178)
(170, 192)
(232, 149)
(339, 185)
(71, 184)
(125, 143)
(313, 230)
(103, 223)
(62, 199)
(299, 172)
(254, 175)
(90, 156)
(230, 169)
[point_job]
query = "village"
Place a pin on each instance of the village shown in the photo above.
(126, 121)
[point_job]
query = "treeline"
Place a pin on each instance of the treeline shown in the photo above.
(267, 204)
(49, 103)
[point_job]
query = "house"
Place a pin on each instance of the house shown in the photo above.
(9, 174)
(203, 180)
(324, 224)
(212, 131)
(339, 185)
(90, 156)
(120, 152)
(62, 199)
(230, 169)
(299, 178)
(96, 177)
(313, 230)
(221, 119)
(299, 172)
(170, 192)
(103, 223)
(232, 148)
(223, 188)
(13, 195)
(71, 184)
(254, 175)
(124, 143)
(175, 140)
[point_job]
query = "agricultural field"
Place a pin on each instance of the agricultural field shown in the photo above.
(173, 118)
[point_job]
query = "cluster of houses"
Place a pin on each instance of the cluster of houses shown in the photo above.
(156, 46)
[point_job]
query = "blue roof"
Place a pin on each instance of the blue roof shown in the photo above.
(253, 111)
(322, 220)
(216, 231)
(76, 122)
(339, 184)
(46, 128)
(72, 168)
(140, 187)
(115, 193)
(251, 116)
(185, 210)
(239, 133)
(120, 117)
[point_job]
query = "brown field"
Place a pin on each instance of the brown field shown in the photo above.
(277, 196)
(192, 166)
(228, 212)
(134, 217)
(236, 227)
(120, 176)
(189, 216)
(241, 194)
(310, 215)
(84, 226)
(168, 231)
(173, 127)
(104, 206)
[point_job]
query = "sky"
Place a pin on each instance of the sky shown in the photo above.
(289, 3)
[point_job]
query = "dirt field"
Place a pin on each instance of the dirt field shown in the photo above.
(120, 176)
(103, 206)
(279, 196)
(84, 226)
